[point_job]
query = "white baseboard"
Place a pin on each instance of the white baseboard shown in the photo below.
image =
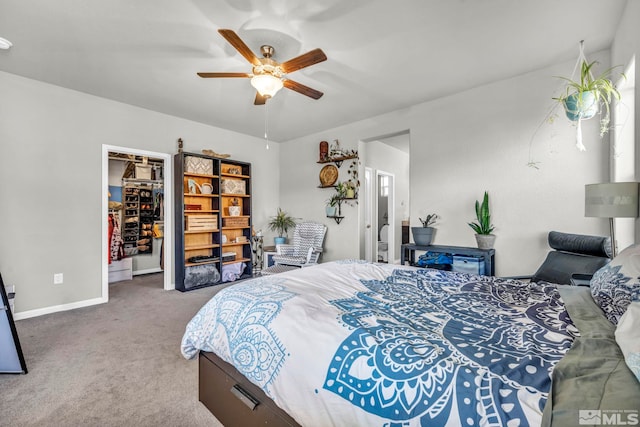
(56, 308)
(148, 271)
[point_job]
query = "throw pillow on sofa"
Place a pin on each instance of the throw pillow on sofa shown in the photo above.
(628, 337)
(617, 284)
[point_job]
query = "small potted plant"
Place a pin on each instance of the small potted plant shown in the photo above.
(281, 223)
(332, 205)
(483, 227)
(583, 98)
(423, 236)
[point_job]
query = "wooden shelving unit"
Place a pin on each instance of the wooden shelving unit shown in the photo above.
(204, 240)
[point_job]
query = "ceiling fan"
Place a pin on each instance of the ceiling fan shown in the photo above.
(269, 76)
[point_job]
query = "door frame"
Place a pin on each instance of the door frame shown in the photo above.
(369, 208)
(167, 185)
(391, 215)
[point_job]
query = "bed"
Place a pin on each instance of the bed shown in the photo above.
(351, 343)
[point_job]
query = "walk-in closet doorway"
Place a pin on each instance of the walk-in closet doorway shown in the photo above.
(165, 226)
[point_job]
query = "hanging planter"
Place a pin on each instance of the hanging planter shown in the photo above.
(581, 106)
(583, 98)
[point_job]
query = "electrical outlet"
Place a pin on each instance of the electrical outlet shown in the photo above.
(58, 279)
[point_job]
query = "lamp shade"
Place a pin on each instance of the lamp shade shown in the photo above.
(266, 84)
(611, 200)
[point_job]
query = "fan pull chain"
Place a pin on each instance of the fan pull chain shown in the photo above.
(266, 124)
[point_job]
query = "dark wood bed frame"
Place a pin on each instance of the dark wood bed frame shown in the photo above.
(233, 399)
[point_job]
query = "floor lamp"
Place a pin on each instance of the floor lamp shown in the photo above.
(611, 200)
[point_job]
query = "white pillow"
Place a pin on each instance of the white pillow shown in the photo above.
(628, 337)
(617, 284)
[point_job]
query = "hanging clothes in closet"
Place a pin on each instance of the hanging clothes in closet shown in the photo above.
(116, 248)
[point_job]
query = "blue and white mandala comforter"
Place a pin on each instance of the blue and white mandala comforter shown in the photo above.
(350, 343)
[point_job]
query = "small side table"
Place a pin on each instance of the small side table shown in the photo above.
(269, 252)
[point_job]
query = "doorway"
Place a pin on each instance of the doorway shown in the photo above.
(166, 182)
(385, 217)
(386, 196)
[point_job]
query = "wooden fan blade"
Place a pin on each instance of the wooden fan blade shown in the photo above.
(210, 75)
(300, 88)
(304, 60)
(260, 100)
(240, 46)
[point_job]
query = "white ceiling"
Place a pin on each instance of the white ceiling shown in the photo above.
(382, 55)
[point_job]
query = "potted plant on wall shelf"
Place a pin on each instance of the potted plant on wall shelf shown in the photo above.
(281, 223)
(583, 98)
(332, 205)
(423, 236)
(483, 226)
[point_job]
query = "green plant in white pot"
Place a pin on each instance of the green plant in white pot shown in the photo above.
(483, 227)
(423, 236)
(583, 98)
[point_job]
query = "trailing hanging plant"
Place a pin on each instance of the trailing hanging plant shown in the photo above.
(583, 98)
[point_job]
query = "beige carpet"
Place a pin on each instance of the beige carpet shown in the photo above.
(115, 364)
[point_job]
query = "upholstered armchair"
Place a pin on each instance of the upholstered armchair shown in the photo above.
(304, 251)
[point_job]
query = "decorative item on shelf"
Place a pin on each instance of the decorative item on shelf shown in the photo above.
(180, 145)
(423, 236)
(201, 222)
(281, 223)
(583, 98)
(235, 222)
(235, 209)
(204, 188)
(212, 153)
(234, 170)
(198, 165)
(324, 151)
(233, 186)
(335, 150)
(328, 175)
(483, 226)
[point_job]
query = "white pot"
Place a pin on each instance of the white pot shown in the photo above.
(235, 210)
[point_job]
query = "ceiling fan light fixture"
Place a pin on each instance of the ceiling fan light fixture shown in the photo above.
(266, 84)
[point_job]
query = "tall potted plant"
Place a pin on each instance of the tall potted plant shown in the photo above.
(483, 227)
(281, 223)
(423, 236)
(583, 98)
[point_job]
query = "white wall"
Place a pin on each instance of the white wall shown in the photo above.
(50, 174)
(465, 144)
(626, 48)
(380, 156)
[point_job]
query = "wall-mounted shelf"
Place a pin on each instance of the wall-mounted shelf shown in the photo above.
(336, 218)
(338, 160)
